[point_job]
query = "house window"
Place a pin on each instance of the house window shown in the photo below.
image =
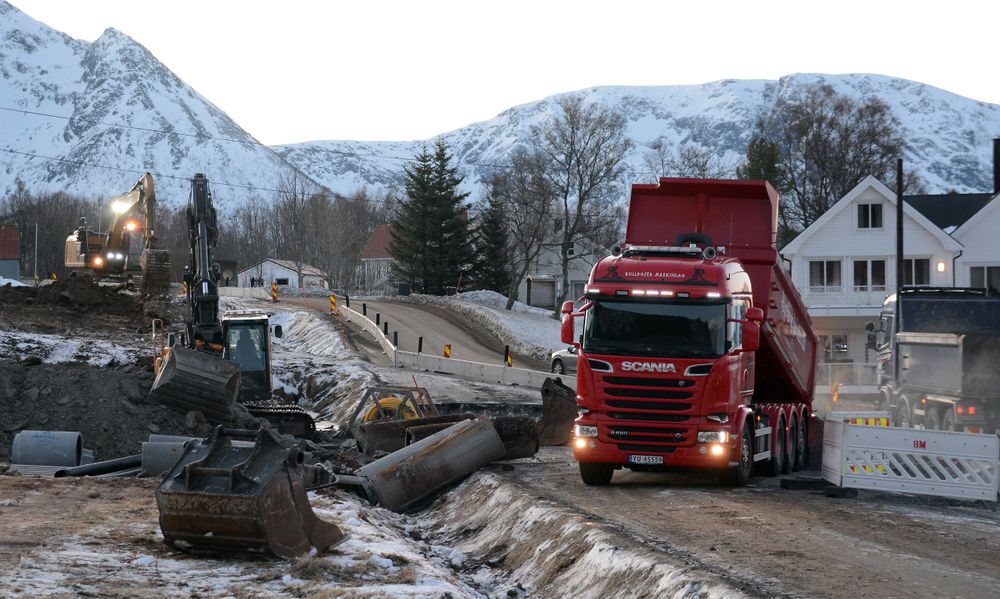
(917, 271)
(869, 275)
(824, 275)
(281, 281)
(984, 276)
(869, 216)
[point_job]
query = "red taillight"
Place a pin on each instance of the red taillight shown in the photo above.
(972, 410)
(960, 409)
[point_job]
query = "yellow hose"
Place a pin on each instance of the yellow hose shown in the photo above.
(387, 407)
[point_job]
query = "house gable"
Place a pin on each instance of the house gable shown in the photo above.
(979, 237)
(836, 232)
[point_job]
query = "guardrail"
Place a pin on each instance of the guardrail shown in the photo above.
(479, 371)
(942, 463)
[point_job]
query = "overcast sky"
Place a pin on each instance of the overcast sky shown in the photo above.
(291, 71)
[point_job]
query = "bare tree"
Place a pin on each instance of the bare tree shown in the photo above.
(299, 212)
(527, 196)
(689, 161)
(828, 143)
(585, 147)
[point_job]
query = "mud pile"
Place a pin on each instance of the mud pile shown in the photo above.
(107, 405)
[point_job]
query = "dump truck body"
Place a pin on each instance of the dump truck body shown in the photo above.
(665, 379)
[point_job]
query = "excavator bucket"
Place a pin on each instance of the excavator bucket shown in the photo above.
(155, 266)
(558, 413)
(223, 497)
(192, 380)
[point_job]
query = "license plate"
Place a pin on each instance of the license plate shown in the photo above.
(645, 459)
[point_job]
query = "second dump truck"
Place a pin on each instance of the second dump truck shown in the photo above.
(697, 351)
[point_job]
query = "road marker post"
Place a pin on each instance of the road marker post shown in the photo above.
(447, 350)
(274, 292)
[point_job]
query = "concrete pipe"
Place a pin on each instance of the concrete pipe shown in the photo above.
(47, 448)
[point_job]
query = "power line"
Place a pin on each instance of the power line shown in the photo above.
(250, 142)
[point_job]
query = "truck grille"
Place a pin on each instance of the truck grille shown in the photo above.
(632, 447)
(648, 416)
(647, 395)
(647, 405)
(646, 434)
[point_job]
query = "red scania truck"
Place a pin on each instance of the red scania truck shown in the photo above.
(697, 351)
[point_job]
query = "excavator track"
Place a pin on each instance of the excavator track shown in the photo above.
(289, 419)
(155, 271)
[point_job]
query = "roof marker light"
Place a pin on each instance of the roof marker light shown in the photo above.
(638, 292)
(621, 291)
(714, 294)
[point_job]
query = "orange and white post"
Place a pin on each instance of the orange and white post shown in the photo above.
(274, 292)
(333, 303)
(447, 350)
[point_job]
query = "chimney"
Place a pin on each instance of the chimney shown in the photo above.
(996, 165)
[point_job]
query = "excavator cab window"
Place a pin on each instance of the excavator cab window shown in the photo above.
(245, 345)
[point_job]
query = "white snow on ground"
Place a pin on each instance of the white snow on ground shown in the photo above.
(54, 349)
(12, 282)
(378, 559)
(529, 330)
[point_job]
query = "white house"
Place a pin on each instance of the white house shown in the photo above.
(544, 280)
(282, 272)
(844, 264)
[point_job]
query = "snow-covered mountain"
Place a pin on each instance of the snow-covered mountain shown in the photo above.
(950, 136)
(99, 86)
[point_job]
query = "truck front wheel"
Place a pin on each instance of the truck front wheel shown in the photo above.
(595, 474)
(740, 475)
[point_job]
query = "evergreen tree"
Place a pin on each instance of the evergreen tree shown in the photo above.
(763, 161)
(430, 243)
(491, 242)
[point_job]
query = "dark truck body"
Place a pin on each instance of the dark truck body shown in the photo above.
(693, 248)
(941, 367)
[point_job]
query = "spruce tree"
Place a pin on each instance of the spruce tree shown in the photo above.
(491, 265)
(430, 243)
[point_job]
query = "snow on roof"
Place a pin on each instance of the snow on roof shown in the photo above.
(378, 243)
(309, 271)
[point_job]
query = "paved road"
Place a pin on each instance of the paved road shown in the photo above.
(414, 321)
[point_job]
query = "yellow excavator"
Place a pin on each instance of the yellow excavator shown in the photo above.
(109, 254)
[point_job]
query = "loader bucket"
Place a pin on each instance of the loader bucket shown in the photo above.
(558, 413)
(222, 497)
(194, 380)
(155, 266)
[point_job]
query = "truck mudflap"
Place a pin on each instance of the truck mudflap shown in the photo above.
(192, 380)
(226, 497)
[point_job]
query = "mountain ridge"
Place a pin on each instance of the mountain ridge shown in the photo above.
(122, 108)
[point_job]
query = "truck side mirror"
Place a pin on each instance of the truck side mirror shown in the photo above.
(566, 332)
(751, 334)
(277, 331)
(567, 308)
(755, 315)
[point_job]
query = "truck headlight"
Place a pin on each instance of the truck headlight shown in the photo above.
(580, 430)
(713, 436)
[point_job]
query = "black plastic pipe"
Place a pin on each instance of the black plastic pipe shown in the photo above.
(125, 463)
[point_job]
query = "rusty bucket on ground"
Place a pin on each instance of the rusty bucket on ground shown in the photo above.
(226, 497)
(558, 413)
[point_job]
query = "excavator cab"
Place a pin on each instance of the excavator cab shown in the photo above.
(247, 341)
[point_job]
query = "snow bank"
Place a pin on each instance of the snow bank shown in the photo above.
(552, 552)
(529, 331)
(12, 282)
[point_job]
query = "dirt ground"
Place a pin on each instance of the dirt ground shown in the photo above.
(789, 543)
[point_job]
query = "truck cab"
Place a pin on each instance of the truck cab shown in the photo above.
(696, 350)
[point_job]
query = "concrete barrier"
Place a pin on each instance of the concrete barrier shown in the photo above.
(261, 293)
(477, 371)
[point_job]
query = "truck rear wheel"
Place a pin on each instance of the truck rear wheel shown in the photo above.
(777, 463)
(948, 420)
(932, 418)
(903, 416)
(596, 474)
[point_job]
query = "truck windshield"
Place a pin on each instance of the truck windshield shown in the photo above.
(656, 329)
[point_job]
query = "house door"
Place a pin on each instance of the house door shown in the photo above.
(543, 294)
